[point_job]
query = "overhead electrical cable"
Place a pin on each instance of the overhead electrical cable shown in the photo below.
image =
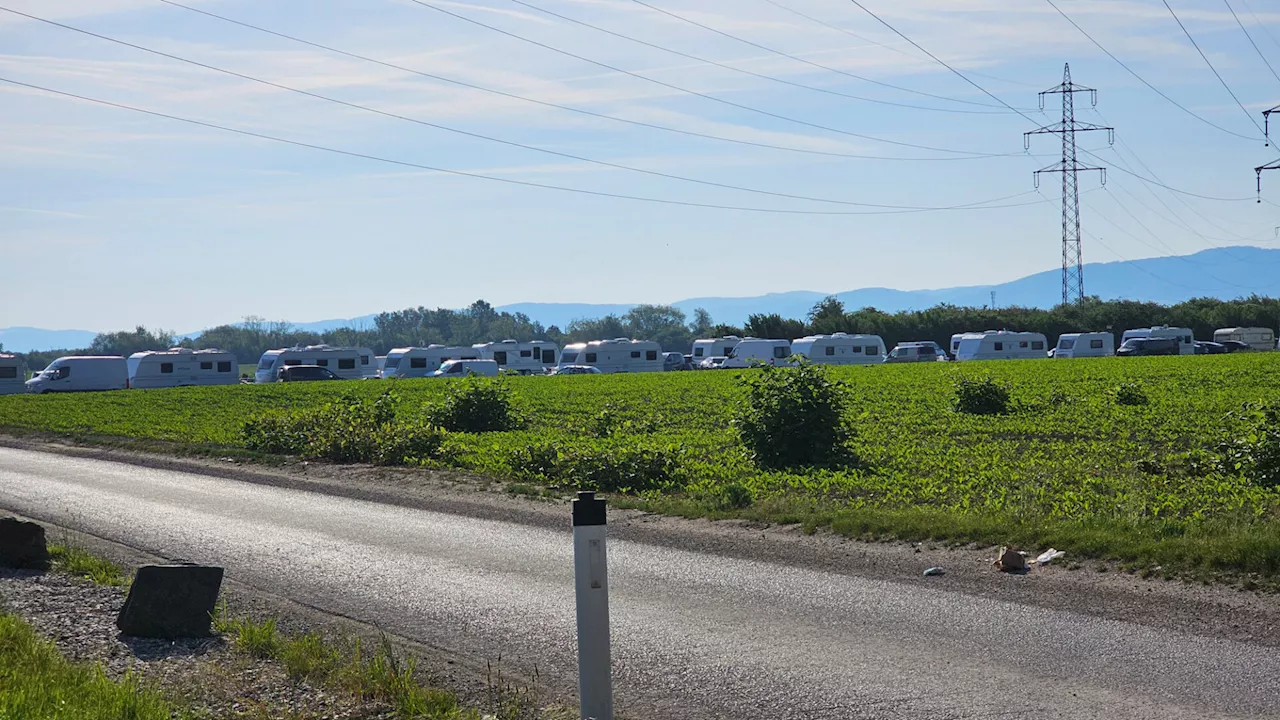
(569, 108)
(712, 98)
(789, 56)
(1143, 80)
(467, 133)
(984, 205)
(1146, 179)
(1204, 57)
(1251, 42)
(1260, 23)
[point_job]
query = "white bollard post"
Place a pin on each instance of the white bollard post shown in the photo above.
(591, 574)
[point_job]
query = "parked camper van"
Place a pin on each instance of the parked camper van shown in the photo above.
(1186, 342)
(713, 347)
(1088, 344)
(840, 349)
(180, 367)
(1255, 337)
(1002, 345)
(419, 362)
(915, 352)
(344, 362)
(462, 368)
(11, 376)
(621, 355)
(535, 356)
(81, 373)
(752, 352)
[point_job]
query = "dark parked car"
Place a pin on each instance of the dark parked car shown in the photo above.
(1210, 348)
(305, 373)
(674, 361)
(1135, 347)
(1235, 346)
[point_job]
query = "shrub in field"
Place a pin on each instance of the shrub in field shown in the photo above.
(1255, 452)
(475, 405)
(537, 461)
(1130, 393)
(735, 497)
(795, 417)
(612, 420)
(598, 467)
(984, 396)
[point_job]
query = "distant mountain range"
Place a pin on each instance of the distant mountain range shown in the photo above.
(1223, 273)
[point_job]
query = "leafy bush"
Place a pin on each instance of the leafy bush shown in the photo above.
(735, 496)
(1255, 453)
(475, 405)
(345, 431)
(611, 468)
(612, 421)
(1130, 393)
(795, 417)
(538, 462)
(981, 397)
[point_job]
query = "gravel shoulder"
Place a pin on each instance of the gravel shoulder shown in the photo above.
(1094, 589)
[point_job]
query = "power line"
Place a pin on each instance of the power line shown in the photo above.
(1211, 67)
(985, 205)
(837, 28)
(1143, 80)
(467, 133)
(569, 108)
(677, 88)
(1260, 23)
(798, 59)
(1171, 188)
(1251, 42)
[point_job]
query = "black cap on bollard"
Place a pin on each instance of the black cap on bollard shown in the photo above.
(587, 510)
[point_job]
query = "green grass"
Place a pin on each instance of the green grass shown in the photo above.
(1069, 467)
(77, 561)
(37, 683)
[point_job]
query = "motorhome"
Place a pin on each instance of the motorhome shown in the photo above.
(911, 352)
(1086, 344)
(621, 355)
(417, 362)
(713, 347)
(1186, 342)
(462, 368)
(81, 373)
(1002, 345)
(840, 349)
(1256, 338)
(535, 356)
(181, 367)
(11, 375)
(753, 352)
(343, 361)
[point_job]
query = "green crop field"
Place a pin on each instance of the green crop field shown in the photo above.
(1070, 466)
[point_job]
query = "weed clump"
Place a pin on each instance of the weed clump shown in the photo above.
(1255, 452)
(1130, 394)
(476, 405)
(983, 396)
(626, 469)
(795, 417)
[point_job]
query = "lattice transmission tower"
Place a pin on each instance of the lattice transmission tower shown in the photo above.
(1072, 265)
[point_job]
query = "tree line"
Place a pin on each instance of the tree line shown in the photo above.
(675, 331)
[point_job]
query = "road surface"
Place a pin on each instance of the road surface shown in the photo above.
(695, 635)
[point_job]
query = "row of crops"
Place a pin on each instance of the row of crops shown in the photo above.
(1117, 456)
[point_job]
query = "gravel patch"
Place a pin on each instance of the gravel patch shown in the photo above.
(208, 675)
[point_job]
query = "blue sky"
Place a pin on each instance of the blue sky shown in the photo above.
(111, 218)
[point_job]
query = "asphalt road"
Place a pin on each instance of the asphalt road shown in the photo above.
(695, 635)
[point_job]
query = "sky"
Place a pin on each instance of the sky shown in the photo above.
(651, 151)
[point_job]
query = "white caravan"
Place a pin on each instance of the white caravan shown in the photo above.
(343, 362)
(1086, 344)
(1186, 342)
(713, 347)
(621, 355)
(840, 349)
(752, 352)
(1002, 345)
(463, 368)
(523, 357)
(1256, 338)
(955, 344)
(180, 367)
(11, 375)
(417, 362)
(368, 363)
(81, 373)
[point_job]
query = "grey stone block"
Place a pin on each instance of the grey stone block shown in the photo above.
(171, 601)
(22, 544)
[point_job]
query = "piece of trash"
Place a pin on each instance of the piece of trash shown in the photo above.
(1010, 560)
(935, 571)
(1049, 556)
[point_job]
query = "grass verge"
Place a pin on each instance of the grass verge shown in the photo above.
(37, 683)
(80, 563)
